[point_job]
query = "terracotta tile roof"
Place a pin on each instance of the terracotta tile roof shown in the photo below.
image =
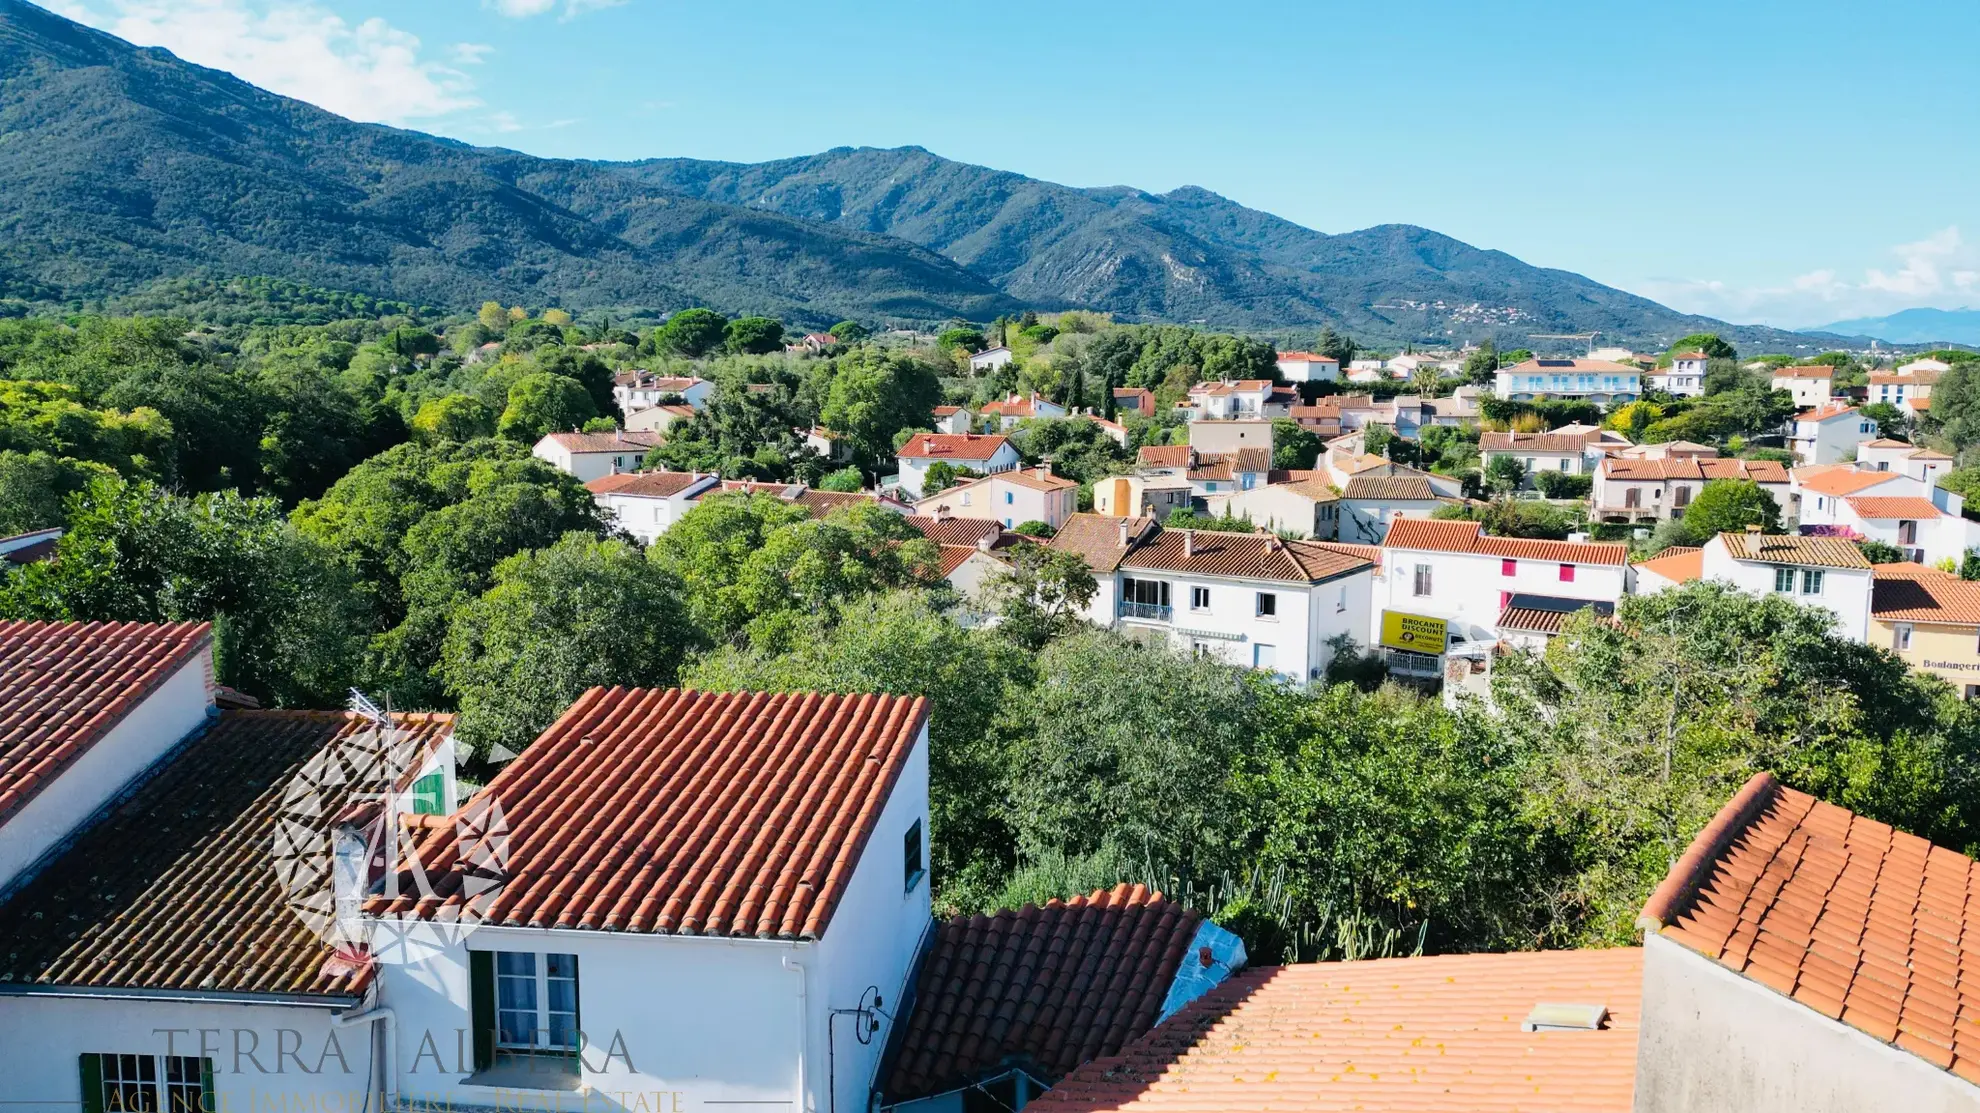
(951, 557)
(1316, 488)
(1423, 1035)
(1691, 467)
(1164, 456)
(1940, 598)
(64, 685)
(1370, 553)
(1251, 556)
(1561, 366)
(1919, 405)
(1469, 537)
(947, 411)
(1893, 507)
(1043, 989)
(1906, 570)
(647, 380)
(1029, 477)
(1924, 376)
(1305, 357)
(680, 812)
(177, 888)
(1016, 405)
(1690, 355)
(820, 503)
(622, 441)
(1388, 488)
(952, 446)
(1217, 472)
(956, 531)
(1776, 548)
(1842, 481)
(650, 484)
(1824, 413)
(1535, 442)
(1806, 371)
(1097, 538)
(1545, 614)
(1679, 564)
(1862, 923)
(1250, 460)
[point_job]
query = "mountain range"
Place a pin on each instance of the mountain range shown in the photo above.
(121, 166)
(1916, 326)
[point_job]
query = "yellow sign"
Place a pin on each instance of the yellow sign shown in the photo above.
(1413, 632)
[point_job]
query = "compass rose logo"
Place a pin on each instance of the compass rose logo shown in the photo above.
(345, 833)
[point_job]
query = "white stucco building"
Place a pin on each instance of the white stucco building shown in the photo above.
(1812, 384)
(1308, 367)
(1684, 377)
(1592, 380)
(590, 456)
(1009, 498)
(986, 454)
(1829, 433)
(645, 503)
(639, 390)
(1826, 572)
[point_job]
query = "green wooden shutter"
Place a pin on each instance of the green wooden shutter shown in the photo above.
(207, 1102)
(426, 793)
(481, 1011)
(92, 1082)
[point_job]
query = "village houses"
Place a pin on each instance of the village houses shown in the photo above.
(985, 454)
(1810, 384)
(590, 456)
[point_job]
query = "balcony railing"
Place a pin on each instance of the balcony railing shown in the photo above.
(1150, 612)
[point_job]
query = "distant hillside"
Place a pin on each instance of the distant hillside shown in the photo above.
(1917, 326)
(120, 165)
(1190, 254)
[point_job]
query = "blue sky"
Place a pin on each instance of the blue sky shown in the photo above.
(1760, 161)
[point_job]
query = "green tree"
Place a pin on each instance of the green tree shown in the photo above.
(1505, 473)
(691, 332)
(1337, 346)
(582, 613)
(1375, 439)
(544, 403)
(35, 486)
(1483, 364)
(1707, 342)
(874, 395)
(846, 479)
(493, 317)
(1956, 405)
(1039, 593)
(1294, 447)
(453, 417)
(1731, 505)
(753, 335)
(1879, 552)
(1890, 420)
(850, 332)
(966, 337)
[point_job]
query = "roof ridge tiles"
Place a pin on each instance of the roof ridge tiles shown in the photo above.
(1695, 864)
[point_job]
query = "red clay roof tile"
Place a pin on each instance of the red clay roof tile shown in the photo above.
(177, 887)
(64, 685)
(1045, 989)
(1435, 535)
(681, 812)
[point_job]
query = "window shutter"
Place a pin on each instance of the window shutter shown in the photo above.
(92, 1082)
(207, 1103)
(481, 1011)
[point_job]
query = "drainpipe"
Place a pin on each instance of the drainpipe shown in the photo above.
(804, 1029)
(388, 1084)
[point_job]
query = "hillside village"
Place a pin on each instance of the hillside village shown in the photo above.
(551, 714)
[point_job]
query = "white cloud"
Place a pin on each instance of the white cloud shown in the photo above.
(471, 54)
(371, 71)
(523, 9)
(1940, 271)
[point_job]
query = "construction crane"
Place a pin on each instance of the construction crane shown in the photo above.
(1587, 336)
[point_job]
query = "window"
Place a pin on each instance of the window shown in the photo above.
(912, 870)
(965, 498)
(1907, 533)
(1250, 480)
(1784, 580)
(1567, 573)
(536, 1001)
(147, 1084)
(1010, 497)
(1633, 498)
(1901, 637)
(1199, 599)
(1811, 581)
(1681, 497)
(1154, 593)
(1508, 567)
(1268, 605)
(1422, 584)
(1264, 656)
(1340, 601)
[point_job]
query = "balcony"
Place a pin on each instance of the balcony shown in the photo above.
(1145, 612)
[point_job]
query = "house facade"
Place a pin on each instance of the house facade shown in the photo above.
(990, 359)
(645, 504)
(1829, 434)
(1310, 508)
(639, 390)
(1590, 380)
(1570, 450)
(1010, 498)
(988, 454)
(952, 419)
(1811, 384)
(590, 456)
(1826, 572)
(1684, 378)
(1655, 490)
(1222, 436)
(1308, 367)
(1006, 413)
(1931, 619)
(1372, 502)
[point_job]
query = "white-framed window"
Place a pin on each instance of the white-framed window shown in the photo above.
(1901, 637)
(1784, 580)
(1264, 656)
(1268, 605)
(1811, 581)
(1199, 598)
(115, 1083)
(536, 1001)
(1421, 583)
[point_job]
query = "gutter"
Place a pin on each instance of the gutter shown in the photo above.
(804, 1028)
(181, 996)
(388, 1082)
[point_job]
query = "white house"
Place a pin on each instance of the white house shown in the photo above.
(1826, 572)
(657, 419)
(1593, 380)
(1926, 465)
(645, 503)
(1910, 391)
(990, 359)
(1308, 367)
(590, 456)
(1448, 584)
(984, 453)
(1829, 433)
(1571, 449)
(1922, 531)
(1241, 400)
(639, 390)
(1020, 407)
(828, 444)
(1818, 490)
(1011, 498)
(1371, 502)
(1250, 599)
(1307, 507)
(1684, 377)
(1811, 384)
(952, 419)
(1656, 489)
(1213, 436)
(1924, 364)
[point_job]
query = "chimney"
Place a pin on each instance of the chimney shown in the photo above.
(1754, 530)
(928, 445)
(1045, 468)
(1189, 542)
(942, 513)
(1124, 534)
(984, 542)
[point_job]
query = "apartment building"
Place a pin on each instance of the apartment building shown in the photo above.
(639, 390)
(1591, 380)
(1654, 490)
(1684, 377)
